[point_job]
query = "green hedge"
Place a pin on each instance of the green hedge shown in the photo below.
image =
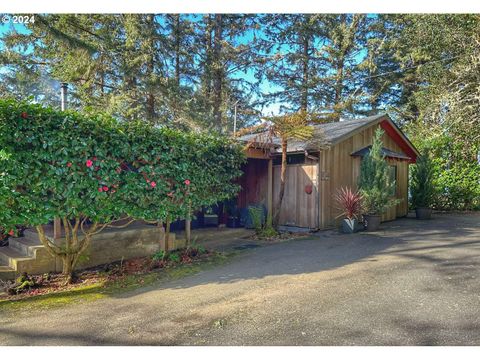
(66, 164)
(456, 172)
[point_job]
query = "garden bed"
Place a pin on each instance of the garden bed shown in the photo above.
(107, 278)
(280, 236)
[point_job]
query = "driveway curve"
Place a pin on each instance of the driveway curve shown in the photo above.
(411, 283)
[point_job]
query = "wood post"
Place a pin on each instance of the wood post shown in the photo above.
(188, 233)
(161, 234)
(166, 243)
(270, 193)
(57, 228)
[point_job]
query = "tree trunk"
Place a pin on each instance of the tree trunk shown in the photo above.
(208, 58)
(177, 43)
(283, 173)
(177, 50)
(188, 231)
(304, 100)
(68, 268)
(218, 73)
(337, 106)
(167, 237)
(71, 250)
(150, 74)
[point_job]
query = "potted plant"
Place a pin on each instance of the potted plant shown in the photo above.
(350, 203)
(376, 187)
(233, 220)
(423, 188)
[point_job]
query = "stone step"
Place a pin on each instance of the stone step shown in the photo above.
(31, 234)
(24, 245)
(7, 273)
(9, 257)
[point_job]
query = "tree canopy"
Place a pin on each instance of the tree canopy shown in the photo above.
(192, 71)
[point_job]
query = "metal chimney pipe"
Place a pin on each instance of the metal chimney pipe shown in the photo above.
(63, 95)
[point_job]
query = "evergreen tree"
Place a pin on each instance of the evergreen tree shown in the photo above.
(342, 50)
(422, 186)
(287, 58)
(223, 63)
(374, 182)
(316, 62)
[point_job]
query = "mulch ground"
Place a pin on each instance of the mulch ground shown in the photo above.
(101, 275)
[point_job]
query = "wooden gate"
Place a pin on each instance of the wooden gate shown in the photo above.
(300, 202)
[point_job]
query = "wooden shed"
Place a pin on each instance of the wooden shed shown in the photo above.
(317, 168)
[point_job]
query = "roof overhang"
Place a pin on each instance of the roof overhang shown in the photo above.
(391, 129)
(399, 137)
(385, 152)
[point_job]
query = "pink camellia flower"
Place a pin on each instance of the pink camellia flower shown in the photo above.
(69, 164)
(105, 188)
(153, 184)
(89, 163)
(187, 182)
(113, 191)
(11, 233)
(148, 181)
(100, 189)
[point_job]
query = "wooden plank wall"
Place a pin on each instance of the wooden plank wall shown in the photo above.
(298, 207)
(253, 183)
(338, 168)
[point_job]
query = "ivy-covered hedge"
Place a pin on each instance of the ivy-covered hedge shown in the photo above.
(94, 168)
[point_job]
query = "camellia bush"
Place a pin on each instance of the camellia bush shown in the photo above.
(169, 174)
(92, 171)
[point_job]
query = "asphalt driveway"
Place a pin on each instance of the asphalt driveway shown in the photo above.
(412, 283)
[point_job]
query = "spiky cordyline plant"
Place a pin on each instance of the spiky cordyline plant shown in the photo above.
(349, 201)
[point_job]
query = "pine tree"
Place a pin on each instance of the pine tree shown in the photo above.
(316, 62)
(422, 186)
(287, 58)
(222, 63)
(344, 42)
(374, 182)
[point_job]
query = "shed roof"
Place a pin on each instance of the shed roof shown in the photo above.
(324, 134)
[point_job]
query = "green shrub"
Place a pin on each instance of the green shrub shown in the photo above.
(256, 214)
(422, 181)
(93, 168)
(455, 165)
(374, 182)
(459, 187)
(267, 232)
(174, 257)
(159, 255)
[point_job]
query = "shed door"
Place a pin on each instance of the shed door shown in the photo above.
(300, 202)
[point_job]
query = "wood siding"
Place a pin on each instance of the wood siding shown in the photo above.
(338, 168)
(298, 207)
(254, 183)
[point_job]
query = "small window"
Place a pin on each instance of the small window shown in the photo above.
(393, 177)
(292, 159)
